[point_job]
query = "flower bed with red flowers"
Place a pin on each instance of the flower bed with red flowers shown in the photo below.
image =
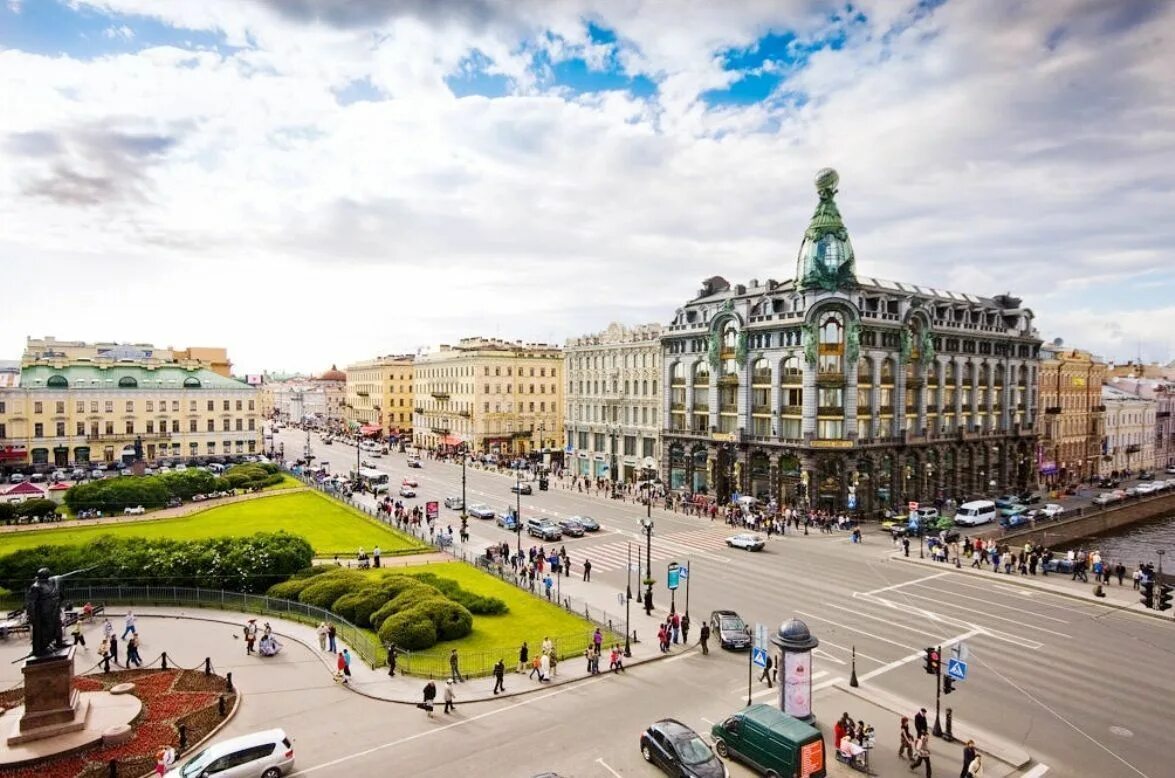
(170, 698)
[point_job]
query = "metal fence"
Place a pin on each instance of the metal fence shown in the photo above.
(435, 664)
(365, 644)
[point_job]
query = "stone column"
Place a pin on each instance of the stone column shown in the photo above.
(991, 366)
(875, 393)
(899, 400)
(808, 426)
(850, 400)
(940, 393)
(920, 401)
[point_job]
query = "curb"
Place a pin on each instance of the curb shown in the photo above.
(192, 747)
(995, 747)
(1029, 584)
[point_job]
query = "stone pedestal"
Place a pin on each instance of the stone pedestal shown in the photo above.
(51, 705)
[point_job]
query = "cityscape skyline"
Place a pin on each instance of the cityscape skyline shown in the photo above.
(537, 171)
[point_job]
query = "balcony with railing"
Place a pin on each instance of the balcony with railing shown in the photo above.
(792, 410)
(147, 437)
(439, 394)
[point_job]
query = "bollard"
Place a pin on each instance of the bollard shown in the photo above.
(228, 681)
(113, 768)
(949, 735)
(183, 738)
(853, 678)
(164, 657)
(220, 705)
(207, 665)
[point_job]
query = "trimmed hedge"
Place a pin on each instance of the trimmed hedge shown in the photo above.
(357, 607)
(289, 590)
(253, 475)
(453, 621)
(325, 589)
(249, 564)
(111, 495)
(411, 631)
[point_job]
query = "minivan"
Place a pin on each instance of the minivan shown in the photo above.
(976, 512)
(267, 754)
(771, 742)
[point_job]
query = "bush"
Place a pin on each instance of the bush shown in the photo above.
(313, 570)
(451, 620)
(7, 512)
(36, 508)
(411, 631)
(325, 589)
(381, 614)
(249, 564)
(409, 597)
(111, 495)
(357, 607)
(474, 603)
(289, 590)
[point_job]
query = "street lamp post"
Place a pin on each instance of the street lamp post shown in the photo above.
(628, 605)
(648, 525)
(518, 511)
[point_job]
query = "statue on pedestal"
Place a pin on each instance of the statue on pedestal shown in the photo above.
(43, 607)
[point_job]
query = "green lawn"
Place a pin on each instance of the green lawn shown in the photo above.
(329, 526)
(287, 482)
(499, 637)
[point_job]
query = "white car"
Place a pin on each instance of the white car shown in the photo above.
(1146, 488)
(746, 540)
(1105, 498)
(268, 754)
(1052, 510)
(407, 491)
(138, 510)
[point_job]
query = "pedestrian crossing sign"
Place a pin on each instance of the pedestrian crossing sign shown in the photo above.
(957, 669)
(759, 656)
(683, 572)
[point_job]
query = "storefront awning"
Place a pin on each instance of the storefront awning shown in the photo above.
(352, 424)
(370, 429)
(451, 440)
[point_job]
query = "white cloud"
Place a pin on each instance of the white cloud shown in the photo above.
(121, 31)
(226, 197)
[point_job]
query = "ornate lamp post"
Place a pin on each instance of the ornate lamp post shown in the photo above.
(647, 523)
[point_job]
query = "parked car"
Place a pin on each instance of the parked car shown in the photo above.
(481, 511)
(571, 527)
(174, 502)
(520, 488)
(1105, 498)
(407, 491)
(1007, 501)
(730, 630)
(588, 523)
(1012, 510)
(37, 478)
(1146, 475)
(1017, 518)
(454, 503)
(268, 754)
(679, 751)
(1109, 483)
(1051, 510)
(57, 476)
(747, 541)
(1028, 498)
(414, 462)
(1146, 488)
(94, 474)
(78, 474)
(544, 529)
(138, 510)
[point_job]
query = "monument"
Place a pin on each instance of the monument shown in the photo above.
(51, 705)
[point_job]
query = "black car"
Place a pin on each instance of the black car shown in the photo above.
(521, 489)
(1146, 476)
(730, 630)
(571, 527)
(1109, 483)
(680, 751)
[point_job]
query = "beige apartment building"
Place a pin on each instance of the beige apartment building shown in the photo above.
(85, 404)
(1130, 432)
(1071, 415)
(494, 396)
(379, 396)
(50, 348)
(612, 414)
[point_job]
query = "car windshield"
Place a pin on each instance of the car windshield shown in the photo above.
(733, 623)
(197, 763)
(693, 750)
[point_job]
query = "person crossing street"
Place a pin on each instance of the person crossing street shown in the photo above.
(704, 638)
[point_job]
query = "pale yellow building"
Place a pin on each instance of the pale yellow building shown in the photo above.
(379, 395)
(1071, 415)
(494, 396)
(49, 349)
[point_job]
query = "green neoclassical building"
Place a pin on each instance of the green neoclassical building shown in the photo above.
(844, 392)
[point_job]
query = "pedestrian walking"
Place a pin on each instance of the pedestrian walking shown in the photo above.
(920, 727)
(704, 638)
(78, 638)
(392, 651)
(766, 674)
(616, 660)
(449, 696)
(922, 753)
(250, 635)
(430, 694)
(675, 626)
(523, 657)
(685, 629)
(129, 622)
(132, 651)
(975, 769)
(906, 741)
(330, 637)
(321, 635)
(499, 676)
(969, 754)
(342, 672)
(545, 668)
(375, 556)
(454, 670)
(113, 647)
(108, 628)
(587, 570)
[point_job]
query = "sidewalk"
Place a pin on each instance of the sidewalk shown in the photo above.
(188, 627)
(1123, 597)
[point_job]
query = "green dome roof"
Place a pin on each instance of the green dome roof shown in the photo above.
(826, 257)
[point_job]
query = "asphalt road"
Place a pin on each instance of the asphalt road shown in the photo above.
(1082, 687)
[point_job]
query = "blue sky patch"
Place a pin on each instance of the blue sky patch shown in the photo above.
(574, 74)
(52, 28)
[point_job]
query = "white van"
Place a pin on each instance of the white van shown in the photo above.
(977, 512)
(216, 467)
(267, 754)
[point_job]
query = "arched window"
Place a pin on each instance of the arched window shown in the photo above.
(191, 382)
(761, 372)
(127, 382)
(729, 336)
(790, 372)
(57, 382)
(832, 345)
(729, 370)
(701, 373)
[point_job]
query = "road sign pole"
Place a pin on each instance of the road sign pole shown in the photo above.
(938, 695)
(853, 677)
(750, 670)
(689, 567)
(628, 605)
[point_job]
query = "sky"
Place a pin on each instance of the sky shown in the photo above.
(315, 182)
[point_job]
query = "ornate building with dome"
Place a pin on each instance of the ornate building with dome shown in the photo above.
(844, 392)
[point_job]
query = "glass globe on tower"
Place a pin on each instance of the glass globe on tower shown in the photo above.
(826, 260)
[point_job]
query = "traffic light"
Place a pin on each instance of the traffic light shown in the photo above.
(932, 661)
(948, 685)
(1148, 593)
(1164, 598)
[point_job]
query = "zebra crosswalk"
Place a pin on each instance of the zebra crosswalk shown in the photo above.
(704, 542)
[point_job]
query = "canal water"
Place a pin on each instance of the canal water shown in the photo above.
(1137, 543)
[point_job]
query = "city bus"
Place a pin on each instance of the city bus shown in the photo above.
(373, 480)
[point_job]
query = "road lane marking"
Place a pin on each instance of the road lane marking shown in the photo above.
(854, 629)
(956, 596)
(899, 662)
(604, 764)
(427, 732)
(906, 583)
(1036, 772)
(828, 656)
(927, 614)
(950, 621)
(849, 650)
(970, 610)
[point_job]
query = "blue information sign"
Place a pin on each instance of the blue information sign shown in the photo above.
(674, 575)
(957, 669)
(759, 656)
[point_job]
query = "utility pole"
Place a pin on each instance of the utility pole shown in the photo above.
(937, 691)
(628, 605)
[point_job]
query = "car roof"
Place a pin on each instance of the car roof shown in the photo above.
(253, 738)
(673, 728)
(724, 613)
